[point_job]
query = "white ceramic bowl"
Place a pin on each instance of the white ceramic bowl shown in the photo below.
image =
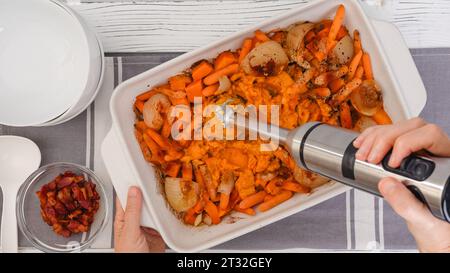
(96, 73)
(51, 63)
(126, 165)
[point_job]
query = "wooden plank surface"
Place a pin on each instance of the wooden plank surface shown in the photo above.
(183, 25)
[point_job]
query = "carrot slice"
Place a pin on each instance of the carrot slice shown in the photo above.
(179, 82)
(166, 129)
(173, 155)
(261, 36)
(320, 56)
(260, 182)
(357, 41)
(223, 212)
(172, 169)
(341, 33)
(252, 200)
(331, 45)
(272, 187)
(199, 178)
(140, 126)
(275, 201)
(285, 158)
(268, 197)
(144, 148)
(381, 117)
(278, 36)
(255, 42)
(236, 157)
(322, 91)
(154, 148)
(199, 206)
(234, 198)
(201, 70)
(324, 32)
(367, 65)
(179, 101)
(224, 200)
(189, 219)
(139, 105)
(354, 64)
(224, 59)
(152, 145)
(226, 71)
(248, 211)
(194, 90)
(345, 116)
(210, 90)
(336, 84)
(157, 138)
(326, 23)
(210, 183)
(337, 23)
(310, 35)
(311, 46)
(186, 171)
(295, 187)
(212, 211)
(246, 48)
(171, 148)
(359, 72)
(146, 95)
(345, 91)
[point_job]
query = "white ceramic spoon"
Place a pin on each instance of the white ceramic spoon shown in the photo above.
(19, 157)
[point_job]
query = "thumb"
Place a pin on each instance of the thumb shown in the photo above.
(404, 202)
(133, 209)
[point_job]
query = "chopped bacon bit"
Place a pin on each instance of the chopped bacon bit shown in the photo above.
(68, 204)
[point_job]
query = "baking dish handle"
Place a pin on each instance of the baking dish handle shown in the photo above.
(405, 70)
(121, 176)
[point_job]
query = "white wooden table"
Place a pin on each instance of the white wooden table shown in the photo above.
(182, 25)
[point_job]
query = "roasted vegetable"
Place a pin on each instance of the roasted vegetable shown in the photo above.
(367, 98)
(314, 71)
(343, 51)
(295, 43)
(266, 59)
(153, 109)
(180, 194)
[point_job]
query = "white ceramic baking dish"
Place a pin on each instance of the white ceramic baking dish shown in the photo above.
(404, 97)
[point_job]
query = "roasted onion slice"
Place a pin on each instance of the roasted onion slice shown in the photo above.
(343, 50)
(181, 195)
(367, 98)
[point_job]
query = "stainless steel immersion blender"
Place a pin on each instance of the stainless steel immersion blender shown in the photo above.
(329, 151)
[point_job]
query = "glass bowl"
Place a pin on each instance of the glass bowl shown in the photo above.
(38, 232)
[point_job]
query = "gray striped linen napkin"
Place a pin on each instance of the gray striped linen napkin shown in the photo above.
(351, 221)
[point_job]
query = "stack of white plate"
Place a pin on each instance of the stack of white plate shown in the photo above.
(51, 63)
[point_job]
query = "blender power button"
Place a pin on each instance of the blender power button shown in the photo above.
(420, 168)
(413, 167)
